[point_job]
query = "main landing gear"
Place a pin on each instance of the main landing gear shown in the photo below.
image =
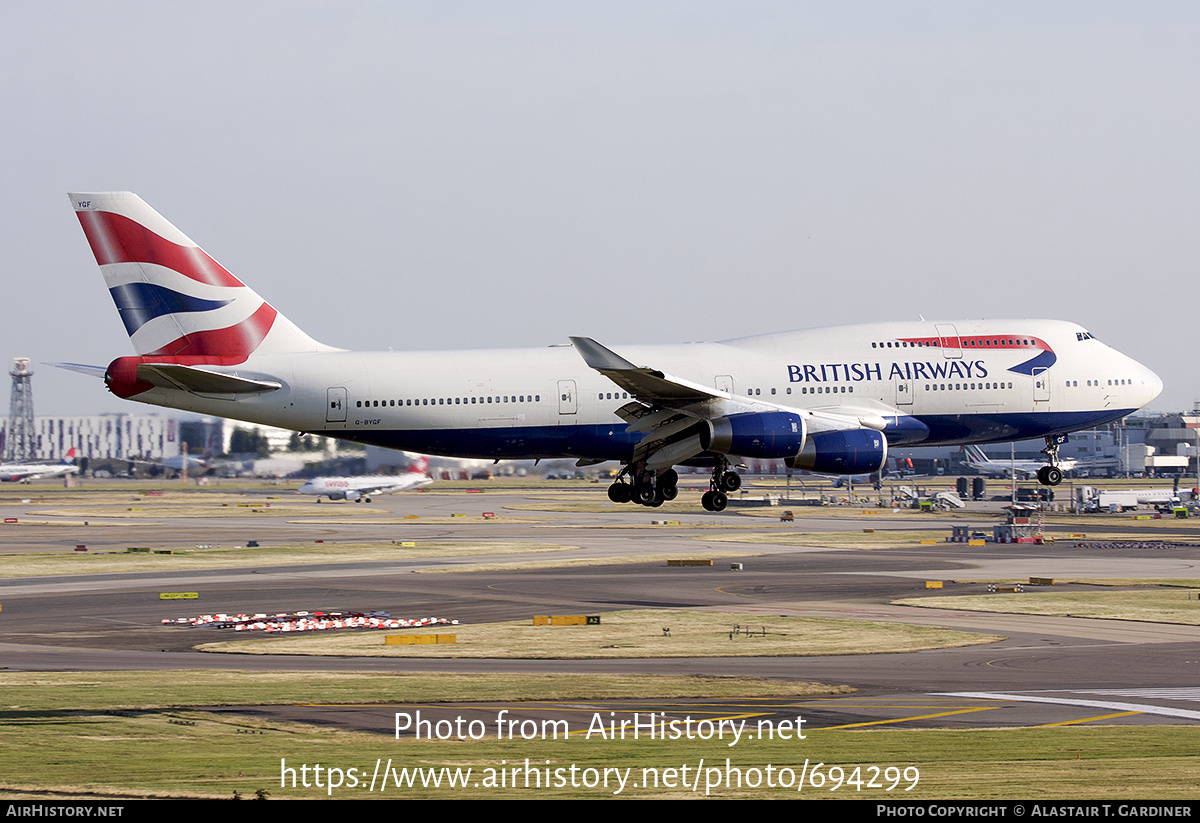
(724, 480)
(1050, 475)
(646, 488)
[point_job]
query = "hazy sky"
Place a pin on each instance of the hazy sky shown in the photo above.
(493, 174)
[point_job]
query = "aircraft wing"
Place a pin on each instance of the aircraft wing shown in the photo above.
(404, 485)
(663, 397)
(668, 407)
(646, 384)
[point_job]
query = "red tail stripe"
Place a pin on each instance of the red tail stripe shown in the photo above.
(115, 238)
(238, 341)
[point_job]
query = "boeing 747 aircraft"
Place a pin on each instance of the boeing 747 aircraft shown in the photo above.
(827, 400)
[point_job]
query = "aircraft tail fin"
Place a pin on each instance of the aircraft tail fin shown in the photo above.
(175, 300)
(419, 466)
(974, 455)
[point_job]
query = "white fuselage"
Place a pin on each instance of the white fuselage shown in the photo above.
(933, 384)
(13, 472)
(339, 487)
(1007, 468)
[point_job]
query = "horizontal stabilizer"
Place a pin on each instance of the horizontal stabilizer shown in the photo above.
(90, 371)
(200, 381)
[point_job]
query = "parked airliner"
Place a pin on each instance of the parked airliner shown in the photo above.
(977, 459)
(16, 472)
(826, 400)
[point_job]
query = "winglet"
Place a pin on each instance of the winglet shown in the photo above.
(599, 357)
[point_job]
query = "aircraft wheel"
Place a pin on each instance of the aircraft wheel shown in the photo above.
(706, 501)
(656, 502)
(643, 494)
(668, 492)
(1041, 476)
(730, 482)
(668, 478)
(620, 493)
(719, 501)
(1053, 475)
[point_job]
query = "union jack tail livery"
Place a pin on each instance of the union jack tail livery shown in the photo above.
(175, 300)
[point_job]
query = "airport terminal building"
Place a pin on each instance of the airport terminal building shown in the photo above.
(104, 436)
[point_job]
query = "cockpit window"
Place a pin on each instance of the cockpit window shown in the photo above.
(1084, 335)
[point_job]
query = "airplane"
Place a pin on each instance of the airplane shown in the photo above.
(978, 460)
(15, 472)
(205, 463)
(827, 400)
(360, 489)
(895, 469)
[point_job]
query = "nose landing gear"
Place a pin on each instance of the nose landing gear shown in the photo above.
(1051, 475)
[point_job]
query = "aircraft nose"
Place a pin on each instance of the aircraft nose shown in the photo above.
(1155, 384)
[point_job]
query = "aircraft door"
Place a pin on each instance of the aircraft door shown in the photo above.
(949, 341)
(724, 382)
(568, 403)
(1041, 387)
(337, 399)
(904, 392)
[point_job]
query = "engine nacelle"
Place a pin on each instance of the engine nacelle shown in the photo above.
(347, 495)
(858, 451)
(766, 435)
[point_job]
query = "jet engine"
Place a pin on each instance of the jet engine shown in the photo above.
(352, 496)
(857, 451)
(766, 435)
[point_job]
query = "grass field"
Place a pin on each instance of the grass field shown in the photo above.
(630, 634)
(155, 734)
(285, 554)
(880, 539)
(60, 737)
(1169, 605)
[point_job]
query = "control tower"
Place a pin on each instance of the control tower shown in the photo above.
(20, 440)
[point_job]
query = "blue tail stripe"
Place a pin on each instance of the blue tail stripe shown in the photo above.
(139, 303)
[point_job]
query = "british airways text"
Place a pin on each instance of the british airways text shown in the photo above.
(857, 372)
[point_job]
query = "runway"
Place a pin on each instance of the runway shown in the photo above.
(1048, 670)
